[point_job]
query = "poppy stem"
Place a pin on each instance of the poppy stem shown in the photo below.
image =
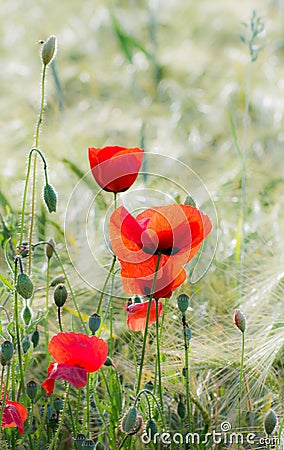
(47, 311)
(159, 358)
(17, 327)
(187, 378)
(147, 324)
(59, 319)
(54, 442)
(241, 382)
(105, 284)
(3, 398)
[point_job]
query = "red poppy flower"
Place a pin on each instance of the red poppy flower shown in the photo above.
(115, 168)
(76, 354)
(136, 315)
(174, 232)
(14, 415)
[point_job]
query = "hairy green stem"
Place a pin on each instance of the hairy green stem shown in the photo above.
(17, 329)
(160, 390)
(187, 375)
(147, 324)
(46, 332)
(105, 284)
(241, 384)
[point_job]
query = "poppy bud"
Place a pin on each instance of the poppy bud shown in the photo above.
(26, 315)
(94, 323)
(108, 362)
(183, 302)
(57, 280)
(60, 295)
(7, 350)
(35, 338)
(129, 420)
(24, 286)
(100, 446)
(151, 428)
(50, 198)
(189, 201)
(48, 50)
(58, 404)
(137, 299)
(26, 343)
(49, 249)
(80, 438)
(31, 389)
(270, 422)
(181, 409)
(88, 443)
(240, 320)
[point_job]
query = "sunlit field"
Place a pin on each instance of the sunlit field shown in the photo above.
(141, 281)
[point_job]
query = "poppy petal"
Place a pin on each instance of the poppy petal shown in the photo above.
(14, 415)
(137, 313)
(77, 349)
(77, 376)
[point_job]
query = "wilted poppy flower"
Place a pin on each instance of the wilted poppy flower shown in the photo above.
(115, 168)
(76, 354)
(14, 415)
(137, 312)
(173, 232)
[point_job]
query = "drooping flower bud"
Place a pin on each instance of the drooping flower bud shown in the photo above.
(50, 198)
(35, 338)
(24, 286)
(26, 344)
(31, 389)
(94, 323)
(49, 249)
(26, 315)
(270, 422)
(181, 409)
(128, 421)
(57, 280)
(60, 295)
(48, 50)
(7, 350)
(240, 320)
(151, 428)
(183, 302)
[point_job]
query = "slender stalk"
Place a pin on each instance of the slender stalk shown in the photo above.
(279, 434)
(105, 284)
(5, 391)
(159, 357)
(59, 319)
(46, 332)
(54, 442)
(241, 384)
(88, 406)
(17, 327)
(78, 408)
(36, 142)
(147, 324)
(187, 377)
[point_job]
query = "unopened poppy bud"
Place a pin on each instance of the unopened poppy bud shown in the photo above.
(100, 446)
(57, 280)
(151, 428)
(181, 409)
(35, 338)
(49, 249)
(26, 344)
(94, 323)
(26, 315)
(189, 201)
(60, 295)
(31, 389)
(88, 443)
(108, 362)
(50, 198)
(240, 320)
(129, 420)
(58, 404)
(80, 438)
(183, 302)
(48, 50)
(24, 286)
(270, 422)
(137, 299)
(7, 350)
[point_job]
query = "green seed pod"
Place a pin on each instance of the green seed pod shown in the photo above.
(88, 443)
(7, 350)
(183, 302)
(60, 295)
(108, 362)
(94, 323)
(80, 438)
(100, 446)
(50, 198)
(26, 344)
(49, 248)
(31, 389)
(128, 421)
(270, 422)
(181, 409)
(26, 315)
(240, 320)
(58, 404)
(24, 286)
(35, 338)
(57, 280)
(48, 50)
(151, 428)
